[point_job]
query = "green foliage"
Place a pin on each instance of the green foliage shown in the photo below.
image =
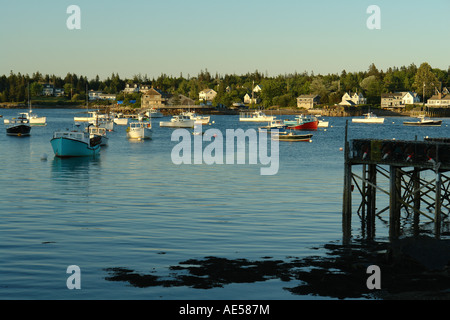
(281, 90)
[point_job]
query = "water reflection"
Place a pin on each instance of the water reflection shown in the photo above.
(74, 169)
(341, 274)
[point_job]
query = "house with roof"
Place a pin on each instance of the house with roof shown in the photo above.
(396, 100)
(94, 95)
(144, 88)
(257, 88)
(48, 89)
(249, 99)
(180, 100)
(154, 98)
(308, 101)
(440, 100)
(355, 99)
(131, 88)
(207, 95)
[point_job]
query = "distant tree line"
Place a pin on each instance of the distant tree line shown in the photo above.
(281, 90)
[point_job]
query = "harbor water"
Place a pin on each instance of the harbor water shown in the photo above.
(132, 211)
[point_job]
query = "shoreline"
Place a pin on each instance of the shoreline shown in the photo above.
(326, 112)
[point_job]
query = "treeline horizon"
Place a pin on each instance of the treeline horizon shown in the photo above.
(281, 90)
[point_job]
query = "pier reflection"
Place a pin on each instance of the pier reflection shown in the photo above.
(341, 273)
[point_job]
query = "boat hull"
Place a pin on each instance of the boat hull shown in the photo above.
(177, 124)
(39, 121)
(121, 121)
(18, 130)
(433, 123)
(204, 120)
(377, 120)
(140, 134)
(313, 125)
(293, 137)
(257, 119)
(66, 147)
(323, 124)
(84, 119)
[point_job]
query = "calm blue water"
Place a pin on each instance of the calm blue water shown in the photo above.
(133, 208)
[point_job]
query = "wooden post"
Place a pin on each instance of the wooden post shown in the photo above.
(347, 198)
(371, 205)
(394, 204)
(417, 199)
(437, 206)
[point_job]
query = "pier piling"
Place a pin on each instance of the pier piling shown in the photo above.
(405, 165)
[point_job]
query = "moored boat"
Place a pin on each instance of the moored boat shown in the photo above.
(323, 124)
(368, 118)
(19, 126)
(96, 131)
(154, 113)
(290, 136)
(196, 117)
(75, 143)
(91, 117)
(178, 121)
(303, 122)
(256, 116)
(35, 120)
(274, 124)
(139, 130)
(424, 121)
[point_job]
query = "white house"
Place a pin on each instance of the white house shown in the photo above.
(398, 99)
(48, 89)
(308, 101)
(144, 88)
(440, 100)
(94, 95)
(410, 98)
(353, 100)
(248, 99)
(134, 88)
(257, 88)
(99, 95)
(207, 95)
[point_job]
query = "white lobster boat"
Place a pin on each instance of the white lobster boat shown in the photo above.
(178, 122)
(139, 130)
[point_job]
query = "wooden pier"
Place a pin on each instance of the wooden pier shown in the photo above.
(411, 173)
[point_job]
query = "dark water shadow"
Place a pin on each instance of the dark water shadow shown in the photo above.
(412, 268)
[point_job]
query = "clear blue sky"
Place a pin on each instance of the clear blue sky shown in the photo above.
(233, 36)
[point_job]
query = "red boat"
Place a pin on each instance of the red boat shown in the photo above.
(303, 122)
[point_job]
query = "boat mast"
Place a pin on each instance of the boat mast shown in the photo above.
(29, 101)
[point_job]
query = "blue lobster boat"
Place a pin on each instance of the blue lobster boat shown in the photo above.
(75, 143)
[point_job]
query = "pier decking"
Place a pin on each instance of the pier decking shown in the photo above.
(404, 165)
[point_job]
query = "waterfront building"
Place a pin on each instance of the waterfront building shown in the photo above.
(440, 100)
(353, 100)
(308, 101)
(398, 100)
